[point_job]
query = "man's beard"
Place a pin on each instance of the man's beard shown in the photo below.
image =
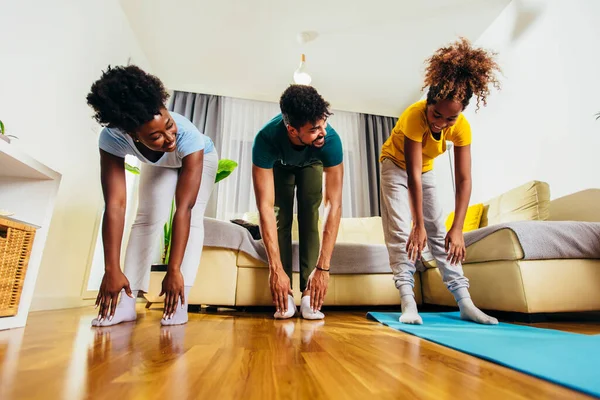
(312, 144)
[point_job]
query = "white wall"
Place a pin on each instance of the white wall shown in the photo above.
(50, 53)
(542, 124)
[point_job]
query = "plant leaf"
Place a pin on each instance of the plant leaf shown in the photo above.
(226, 167)
(1, 127)
(132, 169)
(163, 254)
(168, 229)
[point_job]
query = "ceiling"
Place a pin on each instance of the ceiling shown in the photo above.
(368, 56)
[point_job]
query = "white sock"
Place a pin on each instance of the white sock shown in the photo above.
(468, 311)
(124, 312)
(306, 311)
(180, 316)
(410, 314)
(291, 311)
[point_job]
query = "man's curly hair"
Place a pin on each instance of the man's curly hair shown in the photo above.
(301, 104)
(458, 72)
(126, 98)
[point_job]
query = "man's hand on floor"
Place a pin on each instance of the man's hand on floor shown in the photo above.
(318, 281)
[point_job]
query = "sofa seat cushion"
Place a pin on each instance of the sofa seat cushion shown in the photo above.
(502, 245)
(347, 259)
(366, 230)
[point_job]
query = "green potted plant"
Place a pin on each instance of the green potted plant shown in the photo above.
(225, 168)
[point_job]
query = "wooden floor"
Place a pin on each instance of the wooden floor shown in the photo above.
(246, 355)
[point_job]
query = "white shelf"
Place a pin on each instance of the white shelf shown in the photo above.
(15, 163)
(28, 188)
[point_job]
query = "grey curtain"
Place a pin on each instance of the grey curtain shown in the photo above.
(204, 111)
(376, 131)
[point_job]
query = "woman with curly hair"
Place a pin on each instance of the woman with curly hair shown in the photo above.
(178, 161)
(454, 74)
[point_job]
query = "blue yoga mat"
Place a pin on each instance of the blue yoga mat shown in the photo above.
(567, 359)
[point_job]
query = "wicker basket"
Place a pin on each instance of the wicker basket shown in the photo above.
(16, 240)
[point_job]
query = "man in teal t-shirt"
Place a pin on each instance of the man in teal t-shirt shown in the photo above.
(292, 153)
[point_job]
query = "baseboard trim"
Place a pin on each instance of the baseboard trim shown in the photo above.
(55, 303)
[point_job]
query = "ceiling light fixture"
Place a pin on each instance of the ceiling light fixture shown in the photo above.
(301, 77)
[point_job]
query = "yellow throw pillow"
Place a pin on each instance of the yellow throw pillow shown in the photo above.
(472, 219)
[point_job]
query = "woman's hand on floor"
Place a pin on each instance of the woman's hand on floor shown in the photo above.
(173, 289)
(416, 242)
(455, 246)
(108, 294)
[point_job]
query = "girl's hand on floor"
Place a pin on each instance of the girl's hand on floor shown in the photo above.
(416, 242)
(173, 289)
(455, 246)
(108, 294)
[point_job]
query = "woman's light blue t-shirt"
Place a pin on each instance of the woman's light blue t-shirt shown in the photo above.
(189, 140)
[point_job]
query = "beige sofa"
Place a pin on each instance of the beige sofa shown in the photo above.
(233, 278)
(500, 278)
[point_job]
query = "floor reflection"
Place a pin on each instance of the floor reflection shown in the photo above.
(110, 354)
(10, 346)
(285, 329)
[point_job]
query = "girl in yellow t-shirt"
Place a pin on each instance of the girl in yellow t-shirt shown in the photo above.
(454, 74)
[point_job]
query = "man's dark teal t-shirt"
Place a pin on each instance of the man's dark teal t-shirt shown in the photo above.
(272, 144)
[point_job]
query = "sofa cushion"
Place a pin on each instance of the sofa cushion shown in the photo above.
(528, 202)
(502, 245)
(578, 206)
(366, 230)
(347, 259)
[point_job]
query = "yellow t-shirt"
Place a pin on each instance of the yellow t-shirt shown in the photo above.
(413, 125)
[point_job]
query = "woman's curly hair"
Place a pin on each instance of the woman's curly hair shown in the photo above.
(460, 71)
(126, 98)
(301, 104)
